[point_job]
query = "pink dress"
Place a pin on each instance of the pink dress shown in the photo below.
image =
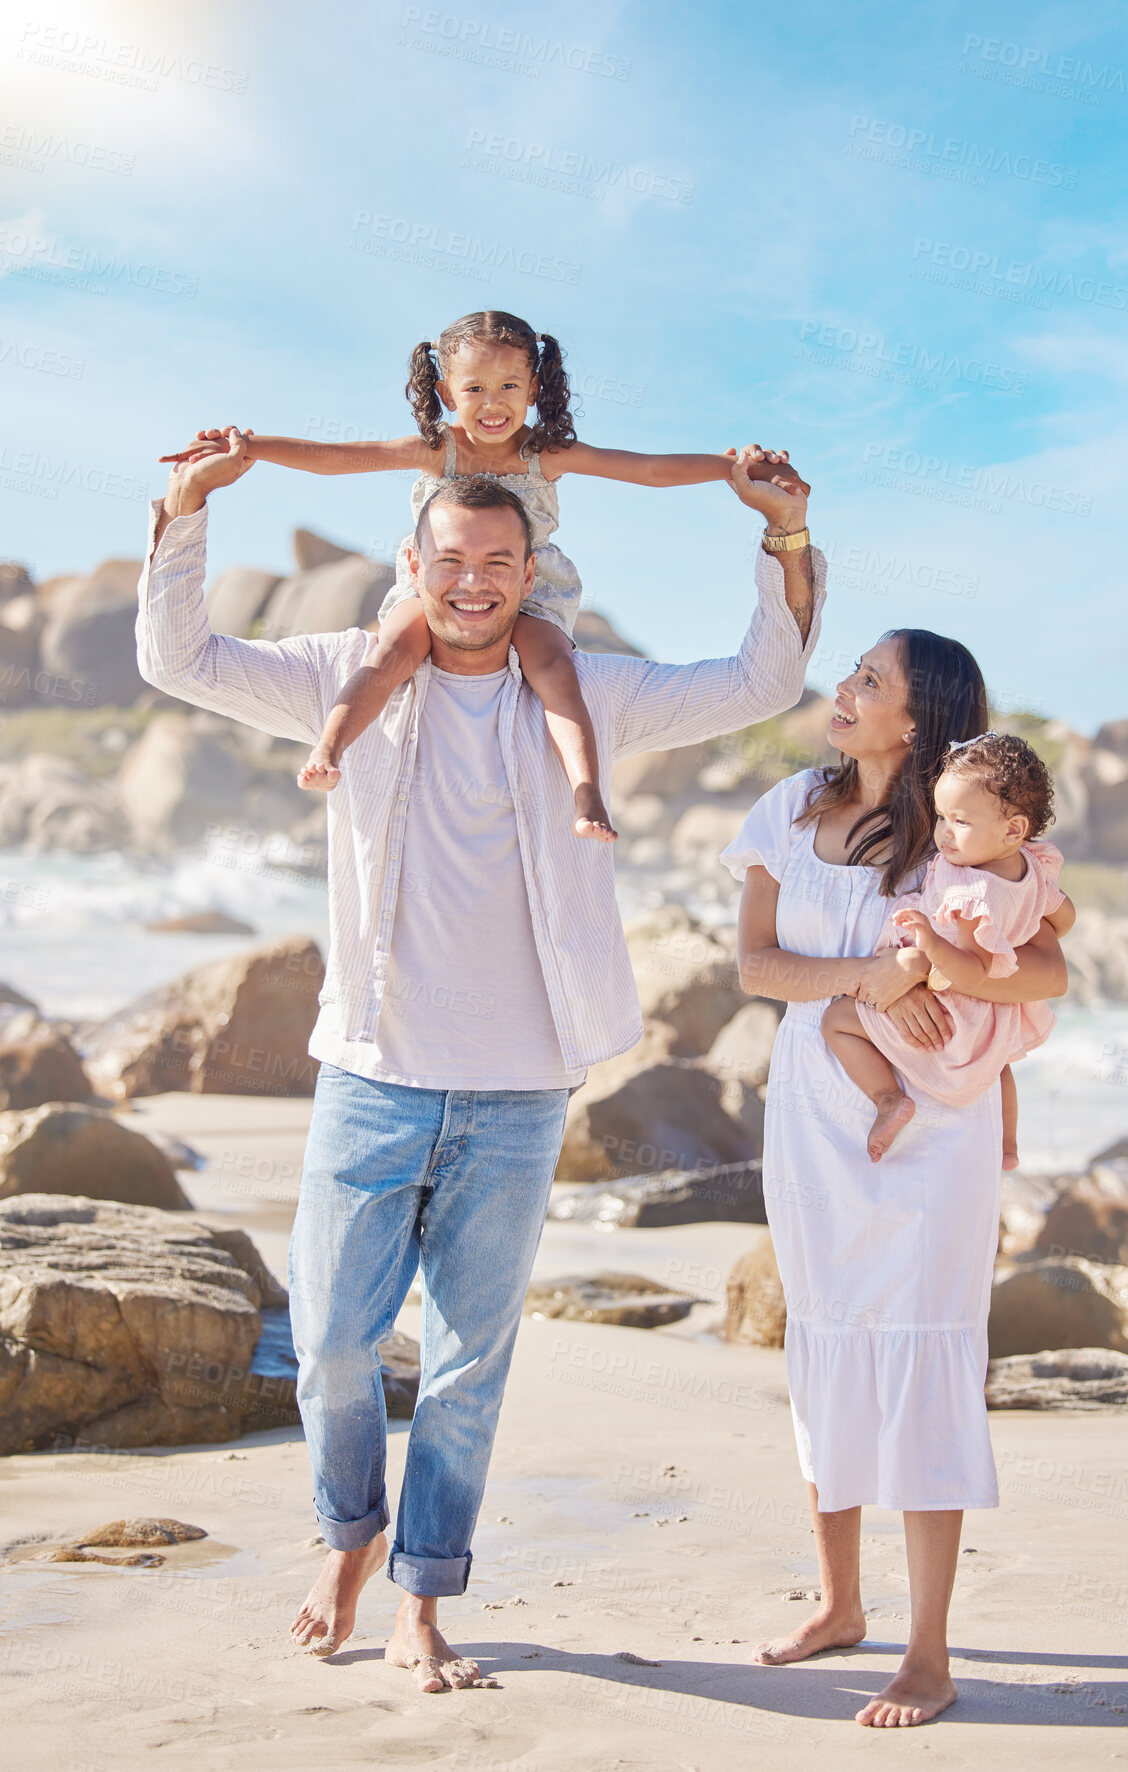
(987, 1035)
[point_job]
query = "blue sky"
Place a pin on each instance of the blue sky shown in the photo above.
(891, 238)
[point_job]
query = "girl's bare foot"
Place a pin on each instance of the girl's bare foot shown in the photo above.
(419, 1646)
(319, 773)
(915, 1694)
(328, 1612)
(592, 818)
(824, 1630)
(893, 1112)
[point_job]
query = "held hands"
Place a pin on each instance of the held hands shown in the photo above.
(889, 975)
(781, 497)
(190, 480)
(213, 442)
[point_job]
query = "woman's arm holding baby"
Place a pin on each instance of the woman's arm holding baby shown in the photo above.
(370, 457)
(767, 970)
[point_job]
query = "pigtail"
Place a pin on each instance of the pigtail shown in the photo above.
(421, 391)
(554, 428)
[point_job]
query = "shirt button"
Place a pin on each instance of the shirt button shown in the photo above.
(401, 796)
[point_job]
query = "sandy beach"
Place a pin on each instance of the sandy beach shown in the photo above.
(644, 1527)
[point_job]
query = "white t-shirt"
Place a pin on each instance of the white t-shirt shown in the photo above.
(466, 1005)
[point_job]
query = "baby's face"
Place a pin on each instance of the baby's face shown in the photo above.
(973, 827)
(489, 388)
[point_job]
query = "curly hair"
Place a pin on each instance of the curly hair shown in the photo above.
(1010, 769)
(430, 364)
(946, 700)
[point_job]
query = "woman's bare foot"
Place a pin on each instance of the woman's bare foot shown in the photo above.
(328, 1612)
(592, 818)
(418, 1645)
(915, 1694)
(824, 1630)
(319, 773)
(894, 1111)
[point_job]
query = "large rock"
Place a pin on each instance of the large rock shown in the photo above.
(668, 774)
(48, 803)
(686, 975)
(15, 580)
(1040, 1305)
(1089, 1218)
(177, 779)
(89, 641)
(311, 549)
(37, 1064)
(121, 1326)
(64, 1148)
(19, 665)
(345, 593)
(743, 1048)
(237, 598)
(1068, 1378)
(733, 1193)
(238, 1026)
(1022, 1209)
(756, 1312)
(627, 1299)
(1096, 952)
(594, 633)
(648, 1111)
(703, 831)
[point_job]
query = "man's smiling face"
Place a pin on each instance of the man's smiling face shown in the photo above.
(471, 572)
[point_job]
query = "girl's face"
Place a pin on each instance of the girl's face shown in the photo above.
(489, 388)
(973, 826)
(871, 716)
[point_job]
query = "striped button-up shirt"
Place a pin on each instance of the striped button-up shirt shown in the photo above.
(288, 687)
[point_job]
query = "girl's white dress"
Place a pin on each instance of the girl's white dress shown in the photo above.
(556, 591)
(886, 1266)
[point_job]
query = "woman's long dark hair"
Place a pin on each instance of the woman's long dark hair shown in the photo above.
(947, 700)
(429, 364)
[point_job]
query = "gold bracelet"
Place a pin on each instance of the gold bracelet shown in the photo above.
(786, 544)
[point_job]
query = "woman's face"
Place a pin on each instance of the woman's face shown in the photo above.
(871, 716)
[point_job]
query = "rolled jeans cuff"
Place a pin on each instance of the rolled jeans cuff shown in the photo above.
(429, 1577)
(350, 1535)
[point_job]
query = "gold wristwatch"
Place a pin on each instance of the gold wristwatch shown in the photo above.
(786, 544)
(936, 980)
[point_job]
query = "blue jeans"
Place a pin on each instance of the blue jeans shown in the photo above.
(455, 1182)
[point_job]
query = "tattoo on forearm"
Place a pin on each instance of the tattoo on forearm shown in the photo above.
(803, 608)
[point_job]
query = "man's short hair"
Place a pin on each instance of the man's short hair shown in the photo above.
(477, 492)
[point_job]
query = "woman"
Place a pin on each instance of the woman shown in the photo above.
(886, 1267)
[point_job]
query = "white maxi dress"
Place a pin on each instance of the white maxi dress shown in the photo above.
(886, 1266)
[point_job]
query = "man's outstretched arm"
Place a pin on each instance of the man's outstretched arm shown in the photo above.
(277, 687)
(664, 705)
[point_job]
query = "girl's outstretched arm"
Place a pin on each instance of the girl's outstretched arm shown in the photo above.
(372, 457)
(661, 470)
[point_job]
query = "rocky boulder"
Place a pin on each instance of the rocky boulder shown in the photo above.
(1089, 1218)
(1068, 1378)
(594, 633)
(733, 1192)
(686, 975)
(627, 1299)
(62, 1148)
(756, 1312)
(703, 831)
(38, 1064)
(89, 642)
(237, 598)
(742, 1051)
(237, 1026)
(178, 778)
(1096, 952)
(1066, 1303)
(650, 1111)
(48, 803)
(344, 593)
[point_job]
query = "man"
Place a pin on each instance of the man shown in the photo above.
(477, 966)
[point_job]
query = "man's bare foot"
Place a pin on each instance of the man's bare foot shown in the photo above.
(319, 772)
(592, 818)
(418, 1645)
(328, 1612)
(915, 1694)
(824, 1630)
(893, 1112)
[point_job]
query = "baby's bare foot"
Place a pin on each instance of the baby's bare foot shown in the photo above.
(823, 1630)
(894, 1111)
(914, 1695)
(592, 817)
(319, 773)
(328, 1613)
(419, 1646)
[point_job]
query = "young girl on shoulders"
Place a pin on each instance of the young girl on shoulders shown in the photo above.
(489, 370)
